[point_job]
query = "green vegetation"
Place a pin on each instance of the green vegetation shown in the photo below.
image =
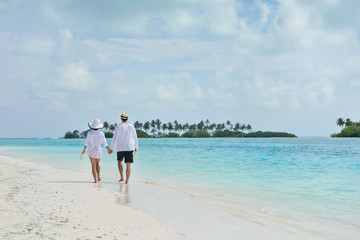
(203, 129)
(351, 129)
(226, 133)
(172, 135)
(108, 134)
(74, 134)
(142, 134)
(196, 134)
(269, 134)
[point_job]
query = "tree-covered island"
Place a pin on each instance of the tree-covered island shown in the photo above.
(175, 129)
(350, 128)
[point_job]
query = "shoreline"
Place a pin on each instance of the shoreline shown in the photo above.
(175, 213)
(40, 202)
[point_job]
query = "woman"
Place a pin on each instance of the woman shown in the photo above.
(95, 138)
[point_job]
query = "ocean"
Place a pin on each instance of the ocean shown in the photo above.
(306, 185)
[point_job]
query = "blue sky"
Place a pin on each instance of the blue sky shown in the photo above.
(285, 65)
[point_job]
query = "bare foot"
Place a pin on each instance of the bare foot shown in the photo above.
(95, 181)
(99, 179)
(127, 181)
(121, 180)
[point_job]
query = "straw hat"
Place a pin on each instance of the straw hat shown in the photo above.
(124, 116)
(96, 124)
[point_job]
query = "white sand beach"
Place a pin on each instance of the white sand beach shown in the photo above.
(44, 202)
(40, 202)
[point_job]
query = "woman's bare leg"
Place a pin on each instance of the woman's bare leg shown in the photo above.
(93, 168)
(98, 168)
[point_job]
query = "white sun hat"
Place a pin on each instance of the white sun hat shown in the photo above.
(96, 124)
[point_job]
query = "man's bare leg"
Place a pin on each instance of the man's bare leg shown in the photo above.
(128, 172)
(121, 169)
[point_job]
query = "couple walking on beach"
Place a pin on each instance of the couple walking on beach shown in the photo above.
(124, 143)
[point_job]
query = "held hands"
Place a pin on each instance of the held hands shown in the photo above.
(109, 150)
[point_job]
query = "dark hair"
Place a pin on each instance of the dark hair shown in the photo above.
(95, 129)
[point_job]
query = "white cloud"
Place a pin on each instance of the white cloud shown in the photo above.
(331, 1)
(229, 55)
(171, 92)
(150, 50)
(319, 91)
(266, 11)
(222, 18)
(355, 82)
(219, 98)
(280, 94)
(118, 73)
(224, 73)
(179, 86)
(75, 76)
(271, 93)
(65, 34)
(35, 46)
(56, 105)
(25, 44)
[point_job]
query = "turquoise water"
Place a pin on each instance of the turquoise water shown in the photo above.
(308, 175)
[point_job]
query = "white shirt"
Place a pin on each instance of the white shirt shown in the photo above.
(125, 138)
(95, 139)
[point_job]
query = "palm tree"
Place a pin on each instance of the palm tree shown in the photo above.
(212, 127)
(153, 125)
(200, 126)
(164, 127)
(112, 127)
(106, 125)
(137, 125)
(237, 127)
(192, 127)
(170, 126)
(146, 126)
(177, 126)
(158, 124)
(76, 134)
(340, 122)
(248, 127)
(153, 130)
(207, 123)
(348, 122)
(228, 123)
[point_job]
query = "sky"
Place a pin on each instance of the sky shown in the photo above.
(278, 65)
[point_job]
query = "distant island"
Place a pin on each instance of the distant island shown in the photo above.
(203, 129)
(350, 128)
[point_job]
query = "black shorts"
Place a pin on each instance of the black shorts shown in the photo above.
(128, 156)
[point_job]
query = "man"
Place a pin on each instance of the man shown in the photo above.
(124, 142)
